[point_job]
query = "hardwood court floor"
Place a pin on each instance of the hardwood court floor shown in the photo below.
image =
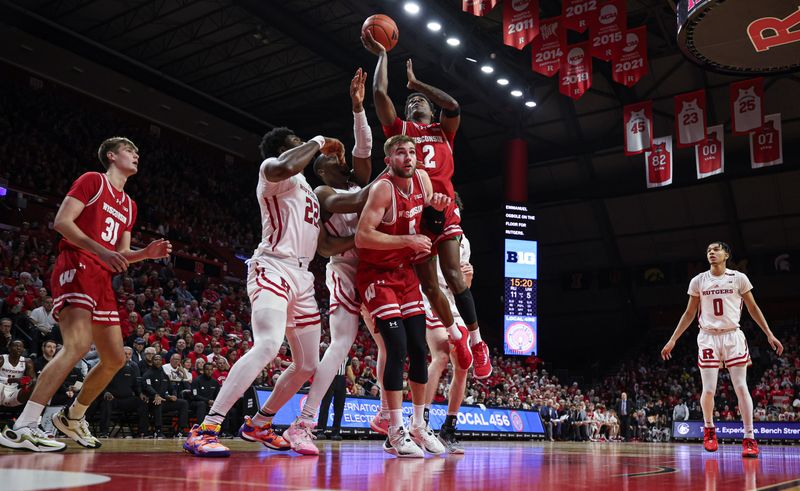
(161, 465)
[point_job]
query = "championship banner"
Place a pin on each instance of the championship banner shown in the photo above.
(747, 105)
(638, 121)
(576, 70)
(659, 163)
(710, 153)
(766, 147)
(576, 13)
(631, 63)
(547, 48)
(520, 22)
(690, 118)
(478, 7)
(607, 29)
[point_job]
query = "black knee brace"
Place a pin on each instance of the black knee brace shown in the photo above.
(417, 349)
(466, 306)
(394, 337)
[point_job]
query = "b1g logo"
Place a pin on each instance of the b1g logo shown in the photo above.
(521, 257)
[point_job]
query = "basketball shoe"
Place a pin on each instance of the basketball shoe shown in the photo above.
(299, 436)
(203, 441)
(483, 363)
(461, 349)
(749, 448)
(77, 429)
(710, 439)
(379, 424)
(262, 434)
(399, 443)
(29, 438)
(447, 435)
(424, 438)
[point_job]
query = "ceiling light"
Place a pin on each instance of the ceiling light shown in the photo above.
(434, 26)
(411, 7)
(516, 93)
(530, 103)
(502, 81)
(487, 69)
(472, 60)
(453, 41)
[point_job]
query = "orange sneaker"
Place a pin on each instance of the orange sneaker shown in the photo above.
(262, 434)
(750, 448)
(461, 349)
(483, 363)
(710, 439)
(203, 441)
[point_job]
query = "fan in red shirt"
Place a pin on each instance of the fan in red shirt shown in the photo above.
(434, 145)
(95, 219)
(202, 336)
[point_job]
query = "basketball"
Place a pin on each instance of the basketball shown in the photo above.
(383, 29)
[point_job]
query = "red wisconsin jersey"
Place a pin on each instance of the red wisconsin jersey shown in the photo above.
(402, 218)
(434, 150)
(107, 214)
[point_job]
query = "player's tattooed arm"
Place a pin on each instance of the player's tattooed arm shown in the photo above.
(683, 324)
(450, 117)
(328, 245)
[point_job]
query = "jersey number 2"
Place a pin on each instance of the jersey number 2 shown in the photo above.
(718, 307)
(429, 151)
(111, 232)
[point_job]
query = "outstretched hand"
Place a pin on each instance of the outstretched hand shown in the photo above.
(158, 248)
(357, 88)
(370, 44)
(412, 79)
(333, 146)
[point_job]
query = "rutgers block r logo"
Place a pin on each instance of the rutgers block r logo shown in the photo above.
(708, 354)
(66, 277)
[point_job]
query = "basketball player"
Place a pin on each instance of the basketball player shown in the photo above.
(435, 145)
(281, 291)
(719, 293)
(387, 238)
(16, 376)
(95, 219)
(341, 198)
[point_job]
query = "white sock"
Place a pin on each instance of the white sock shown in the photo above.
(709, 424)
(418, 419)
(396, 417)
(474, 337)
(213, 419)
(76, 410)
(30, 416)
(455, 334)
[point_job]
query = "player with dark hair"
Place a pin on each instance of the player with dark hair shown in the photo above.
(17, 376)
(434, 145)
(719, 293)
(95, 219)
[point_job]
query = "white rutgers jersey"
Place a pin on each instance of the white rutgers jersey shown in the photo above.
(344, 225)
(720, 298)
(638, 131)
(691, 127)
(433, 321)
(7, 370)
(289, 219)
(747, 110)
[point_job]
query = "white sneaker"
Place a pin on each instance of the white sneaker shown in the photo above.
(77, 429)
(423, 436)
(399, 443)
(29, 438)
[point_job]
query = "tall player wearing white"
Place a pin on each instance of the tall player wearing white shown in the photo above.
(719, 293)
(341, 198)
(281, 291)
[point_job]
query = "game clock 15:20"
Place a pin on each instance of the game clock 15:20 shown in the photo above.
(521, 273)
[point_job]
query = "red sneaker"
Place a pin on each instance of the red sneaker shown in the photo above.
(461, 349)
(749, 448)
(483, 363)
(710, 439)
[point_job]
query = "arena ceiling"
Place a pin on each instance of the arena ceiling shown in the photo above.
(258, 63)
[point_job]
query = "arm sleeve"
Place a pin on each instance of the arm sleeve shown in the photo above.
(395, 128)
(466, 250)
(86, 187)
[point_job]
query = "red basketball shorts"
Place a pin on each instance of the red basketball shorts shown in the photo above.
(81, 280)
(452, 229)
(389, 293)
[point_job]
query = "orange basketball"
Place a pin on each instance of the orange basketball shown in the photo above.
(383, 29)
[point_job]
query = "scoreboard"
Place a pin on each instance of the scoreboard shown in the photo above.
(520, 258)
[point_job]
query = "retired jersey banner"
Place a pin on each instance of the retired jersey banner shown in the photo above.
(659, 163)
(478, 7)
(709, 154)
(576, 13)
(630, 64)
(747, 105)
(576, 70)
(690, 118)
(607, 29)
(638, 121)
(548, 47)
(766, 147)
(520, 22)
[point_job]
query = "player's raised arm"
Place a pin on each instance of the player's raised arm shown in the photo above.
(367, 235)
(362, 151)
(64, 224)
(294, 160)
(451, 111)
(683, 324)
(758, 316)
(380, 85)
